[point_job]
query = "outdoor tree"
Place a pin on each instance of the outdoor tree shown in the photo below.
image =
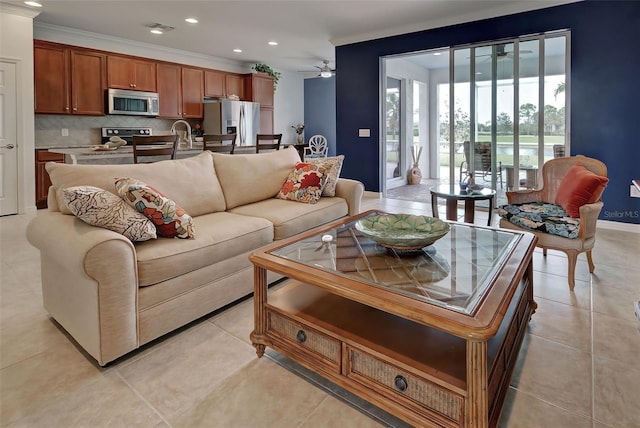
(528, 119)
(461, 122)
(504, 124)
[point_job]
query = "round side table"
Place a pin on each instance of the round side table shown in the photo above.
(452, 194)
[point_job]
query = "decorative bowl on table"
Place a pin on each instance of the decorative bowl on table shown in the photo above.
(475, 187)
(402, 231)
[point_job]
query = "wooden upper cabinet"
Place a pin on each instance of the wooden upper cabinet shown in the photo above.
(51, 80)
(259, 89)
(170, 90)
(68, 80)
(129, 73)
(192, 92)
(235, 85)
(215, 84)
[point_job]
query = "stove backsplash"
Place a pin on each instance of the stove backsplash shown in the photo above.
(85, 130)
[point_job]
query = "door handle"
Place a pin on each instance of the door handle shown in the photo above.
(7, 146)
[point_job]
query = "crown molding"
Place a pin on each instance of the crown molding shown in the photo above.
(18, 10)
(95, 40)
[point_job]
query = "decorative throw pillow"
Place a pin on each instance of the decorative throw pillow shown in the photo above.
(333, 174)
(101, 208)
(305, 183)
(170, 220)
(578, 187)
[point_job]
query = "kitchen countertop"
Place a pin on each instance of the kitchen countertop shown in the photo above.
(87, 154)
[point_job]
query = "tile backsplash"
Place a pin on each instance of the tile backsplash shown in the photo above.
(85, 130)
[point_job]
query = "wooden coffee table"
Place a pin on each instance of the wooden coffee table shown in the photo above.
(431, 336)
(452, 194)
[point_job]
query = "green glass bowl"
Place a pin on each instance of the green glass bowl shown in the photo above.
(403, 231)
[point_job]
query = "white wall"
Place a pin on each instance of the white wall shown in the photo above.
(16, 45)
(289, 105)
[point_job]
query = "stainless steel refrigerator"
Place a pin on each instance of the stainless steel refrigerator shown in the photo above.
(228, 117)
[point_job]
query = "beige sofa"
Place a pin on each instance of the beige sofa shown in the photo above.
(113, 296)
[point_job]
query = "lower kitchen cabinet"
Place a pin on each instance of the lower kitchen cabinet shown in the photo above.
(43, 182)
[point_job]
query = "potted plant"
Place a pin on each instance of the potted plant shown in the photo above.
(264, 68)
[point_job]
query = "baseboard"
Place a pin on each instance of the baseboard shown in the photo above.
(617, 225)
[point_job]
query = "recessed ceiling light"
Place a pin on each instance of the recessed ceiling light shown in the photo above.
(237, 50)
(272, 43)
(191, 20)
(156, 31)
(437, 53)
(33, 3)
(158, 28)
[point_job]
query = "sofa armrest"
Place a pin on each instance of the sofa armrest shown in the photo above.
(524, 196)
(89, 283)
(351, 191)
(588, 219)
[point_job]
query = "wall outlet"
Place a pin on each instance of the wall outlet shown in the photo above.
(65, 132)
(364, 132)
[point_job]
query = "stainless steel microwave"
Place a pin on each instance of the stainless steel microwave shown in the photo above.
(137, 103)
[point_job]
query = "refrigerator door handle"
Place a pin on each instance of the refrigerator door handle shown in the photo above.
(242, 129)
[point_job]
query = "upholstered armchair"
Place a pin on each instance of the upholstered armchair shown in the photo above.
(553, 173)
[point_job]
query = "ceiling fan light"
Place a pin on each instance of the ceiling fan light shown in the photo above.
(325, 73)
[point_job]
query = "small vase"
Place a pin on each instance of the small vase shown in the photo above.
(300, 139)
(415, 175)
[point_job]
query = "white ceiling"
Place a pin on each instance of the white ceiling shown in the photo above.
(307, 30)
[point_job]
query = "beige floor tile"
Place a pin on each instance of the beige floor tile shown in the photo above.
(617, 392)
(556, 263)
(613, 247)
(627, 278)
(562, 323)
(263, 394)
(106, 402)
(617, 339)
(554, 373)
(185, 369)
(614, 301)
(522, 410)
(37, 382)
(237, 321)
(556, 288)
(333, 413)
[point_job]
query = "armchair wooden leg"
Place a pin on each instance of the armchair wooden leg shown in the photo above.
(592, 267)
(544, 252)
(572, 257)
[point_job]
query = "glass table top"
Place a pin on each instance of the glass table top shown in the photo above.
(455, 272)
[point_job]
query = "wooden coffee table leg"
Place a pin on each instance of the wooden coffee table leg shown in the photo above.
(258, 338)
(490, 210)
(477, 401)
(469, 210)
(452, 209)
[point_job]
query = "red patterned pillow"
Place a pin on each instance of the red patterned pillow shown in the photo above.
(578, 187)
(305, 183)
(170, 220)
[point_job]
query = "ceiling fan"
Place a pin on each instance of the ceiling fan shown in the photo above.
(502, 54)
(325, 70)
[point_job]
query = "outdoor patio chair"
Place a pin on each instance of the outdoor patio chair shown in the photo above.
(481, 162)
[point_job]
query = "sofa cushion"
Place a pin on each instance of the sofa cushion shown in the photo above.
(305, 183)
(579, 186)
(169, 218)
(190, 182)
(290, 218)
(541, 217)
(333, 174)
(253, 177)
(98, 207)
(220, 236)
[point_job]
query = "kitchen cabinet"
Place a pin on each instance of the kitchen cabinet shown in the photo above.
(131, 73)
(259, 89)
(170, 90)
(218, 84)
(68, 80)
(43, 182)
(192, 92)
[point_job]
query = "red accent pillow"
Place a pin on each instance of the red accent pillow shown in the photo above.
(578, 187)
(305, 183)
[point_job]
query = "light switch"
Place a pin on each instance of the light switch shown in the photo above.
(364, 132)
(65, 132)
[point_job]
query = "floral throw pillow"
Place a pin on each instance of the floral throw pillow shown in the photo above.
(305, 183)
(333, 174)
(101, 208)
(170, 220)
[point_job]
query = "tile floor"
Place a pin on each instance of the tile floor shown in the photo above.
(579, 365)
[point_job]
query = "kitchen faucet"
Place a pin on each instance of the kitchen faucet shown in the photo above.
(173, 131)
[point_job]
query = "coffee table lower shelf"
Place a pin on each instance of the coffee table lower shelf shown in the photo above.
(414, 372)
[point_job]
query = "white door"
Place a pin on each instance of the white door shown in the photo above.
(8, 143)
